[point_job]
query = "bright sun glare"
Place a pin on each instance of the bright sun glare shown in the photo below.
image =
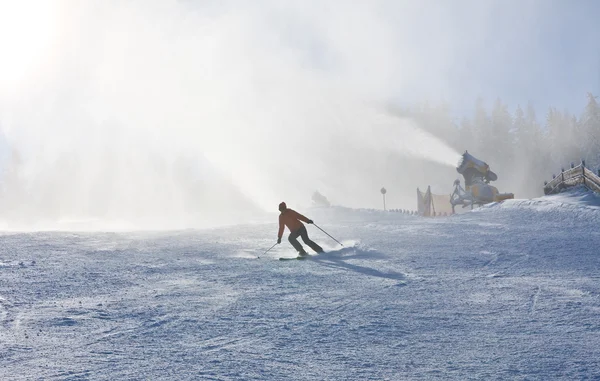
(27, 31)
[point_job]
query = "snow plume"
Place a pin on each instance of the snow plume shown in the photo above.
(159, 114)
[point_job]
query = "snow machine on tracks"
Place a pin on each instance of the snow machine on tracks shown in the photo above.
(477, 190)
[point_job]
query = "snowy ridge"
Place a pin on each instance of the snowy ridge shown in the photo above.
(575, 203)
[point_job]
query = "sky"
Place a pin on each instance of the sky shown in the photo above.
(277, 99)
(544, 52)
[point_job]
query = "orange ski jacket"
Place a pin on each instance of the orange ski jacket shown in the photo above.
(291, 219)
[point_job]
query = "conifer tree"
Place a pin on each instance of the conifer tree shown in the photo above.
(590, 128)
(501, 149)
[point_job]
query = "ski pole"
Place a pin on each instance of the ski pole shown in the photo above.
(328, 234)
(268, 250)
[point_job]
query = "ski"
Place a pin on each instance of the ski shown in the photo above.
(292, 258)
(300, 256)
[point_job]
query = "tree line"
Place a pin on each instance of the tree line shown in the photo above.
(523, 148)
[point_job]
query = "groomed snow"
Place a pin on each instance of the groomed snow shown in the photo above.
(508, 291)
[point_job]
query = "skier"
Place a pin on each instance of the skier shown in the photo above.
(291, 219)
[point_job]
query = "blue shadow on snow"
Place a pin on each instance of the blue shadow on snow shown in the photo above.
(338, 259)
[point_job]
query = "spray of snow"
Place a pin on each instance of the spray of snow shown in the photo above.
(168, 114)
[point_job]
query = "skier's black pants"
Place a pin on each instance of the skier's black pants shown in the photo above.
(293, 238)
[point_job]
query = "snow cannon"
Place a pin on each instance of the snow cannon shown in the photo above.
(477, 191)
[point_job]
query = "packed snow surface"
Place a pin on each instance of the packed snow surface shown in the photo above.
(508, 291)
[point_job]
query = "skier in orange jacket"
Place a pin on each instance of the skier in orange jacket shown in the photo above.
(291, 219)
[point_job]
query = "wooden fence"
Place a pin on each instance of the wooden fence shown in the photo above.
(576, 175)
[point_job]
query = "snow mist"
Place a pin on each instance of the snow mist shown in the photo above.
(169, 114)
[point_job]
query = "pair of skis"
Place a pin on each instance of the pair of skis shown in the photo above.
(294, 258)
(300, 257)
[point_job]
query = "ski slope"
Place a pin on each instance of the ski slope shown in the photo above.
(508, 291)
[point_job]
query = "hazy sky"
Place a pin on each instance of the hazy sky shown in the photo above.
(545, 51)
(282, 97)
(540, 51)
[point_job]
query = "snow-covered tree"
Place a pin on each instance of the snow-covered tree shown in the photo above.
(590, 129)
(481, 123)
(501, 150)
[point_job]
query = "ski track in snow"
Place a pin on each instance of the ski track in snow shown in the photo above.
(508, 291)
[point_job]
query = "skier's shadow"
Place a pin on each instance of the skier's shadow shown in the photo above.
(338, 260)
